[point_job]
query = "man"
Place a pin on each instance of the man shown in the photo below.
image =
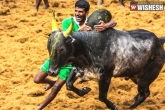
(81, 12)
(80, 18)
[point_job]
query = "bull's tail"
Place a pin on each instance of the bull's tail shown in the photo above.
(162, 40)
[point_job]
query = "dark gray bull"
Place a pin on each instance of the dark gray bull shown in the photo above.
(136, 54)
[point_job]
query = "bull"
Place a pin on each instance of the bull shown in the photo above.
(135, 54)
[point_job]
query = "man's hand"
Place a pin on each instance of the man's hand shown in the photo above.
(103, 26)
(84, 27)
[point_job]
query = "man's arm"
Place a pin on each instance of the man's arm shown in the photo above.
(84, 27)
(103, 26)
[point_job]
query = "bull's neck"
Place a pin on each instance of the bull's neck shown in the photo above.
(81, 50)
(92, 47)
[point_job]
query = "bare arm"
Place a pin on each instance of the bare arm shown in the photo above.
(103, 26)
(55, 89)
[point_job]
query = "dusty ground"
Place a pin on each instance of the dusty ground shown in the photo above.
(23, 38)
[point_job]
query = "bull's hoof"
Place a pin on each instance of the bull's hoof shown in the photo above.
(114, 108)
(85, 90)
(132, 106)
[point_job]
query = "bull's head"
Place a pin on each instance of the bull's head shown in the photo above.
(59, 47)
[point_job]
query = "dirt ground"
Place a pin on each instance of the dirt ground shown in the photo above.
(23, 39)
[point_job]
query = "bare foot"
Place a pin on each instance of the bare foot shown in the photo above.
(121, 3)
(36, 9)
(46, 6)
(48, 86)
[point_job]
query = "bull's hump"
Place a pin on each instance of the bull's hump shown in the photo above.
(94, 40)
(92, 36)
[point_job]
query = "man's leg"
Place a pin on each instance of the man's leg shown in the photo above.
(38, 2)
(121, 3)
(41, 77)
(100, 2)
(46, 4)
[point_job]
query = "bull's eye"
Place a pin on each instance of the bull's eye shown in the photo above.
(60, 50)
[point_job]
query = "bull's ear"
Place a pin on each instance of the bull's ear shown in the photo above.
(68, 40)
(54, 23)
(69, 30)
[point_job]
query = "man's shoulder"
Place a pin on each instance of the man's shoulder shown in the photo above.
(67, 19)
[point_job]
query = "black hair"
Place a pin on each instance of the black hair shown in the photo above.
(82, 4)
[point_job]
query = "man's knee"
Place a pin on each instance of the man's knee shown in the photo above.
(39, 77)
(37, 80)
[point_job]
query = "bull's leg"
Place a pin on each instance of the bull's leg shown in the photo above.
(70, 81)
(104, 83)
(150, 74)
(135, 81)
(143, 93)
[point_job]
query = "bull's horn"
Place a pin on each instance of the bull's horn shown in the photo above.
(54, 23)
(69, 30)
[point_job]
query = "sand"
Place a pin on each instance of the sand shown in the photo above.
(23, 40)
